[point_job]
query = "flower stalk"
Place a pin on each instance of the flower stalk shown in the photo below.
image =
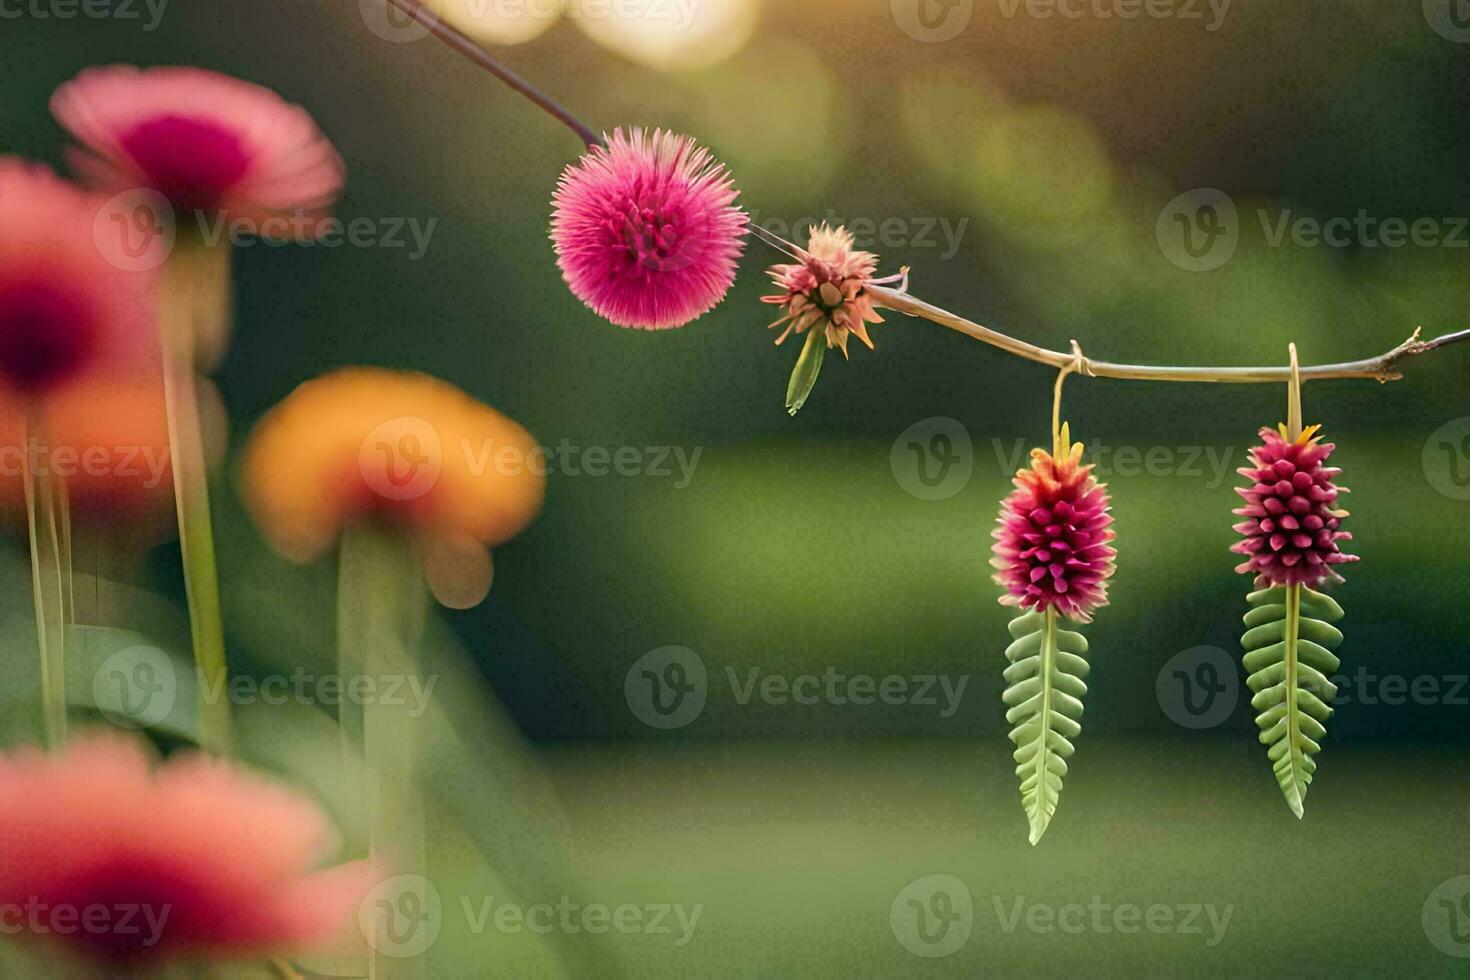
(382, 603)
(189, 273)
(48, 581)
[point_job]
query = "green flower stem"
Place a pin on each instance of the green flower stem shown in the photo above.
(47, 582)
(189, 271)
(64, 554)
(1294, 397)
(382, 601)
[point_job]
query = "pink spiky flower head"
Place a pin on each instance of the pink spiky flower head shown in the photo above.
(65, 311)
(646, 229)
(203, 140)
(216, 861)
(1052, 546)
(827, 289)
(1291, 527)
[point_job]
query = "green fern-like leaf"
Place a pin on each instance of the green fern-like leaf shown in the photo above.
(1288, 660)
(1044, 692)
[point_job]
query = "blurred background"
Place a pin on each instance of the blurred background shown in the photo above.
(1144, 178)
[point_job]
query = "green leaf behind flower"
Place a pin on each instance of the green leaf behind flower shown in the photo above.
(1288, 660)
(808, 366)
(1044, 690)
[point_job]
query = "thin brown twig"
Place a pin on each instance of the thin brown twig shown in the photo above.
(1382, 368)
(461, 42)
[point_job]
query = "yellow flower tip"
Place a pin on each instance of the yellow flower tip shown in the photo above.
(399, 448)
(1309, 434)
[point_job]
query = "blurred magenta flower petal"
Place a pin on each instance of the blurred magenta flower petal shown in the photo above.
(222, 858)
(1292, 524)
(66, 312)
(646, 230)
(1052, 543)
(202, 139)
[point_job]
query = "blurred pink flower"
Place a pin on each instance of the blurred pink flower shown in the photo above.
(646, 230)
(828, 289)
(213, 860)
(65, 311)
(203, 140)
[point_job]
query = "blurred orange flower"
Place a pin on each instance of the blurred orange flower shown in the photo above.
(107, 442)
(400, 448)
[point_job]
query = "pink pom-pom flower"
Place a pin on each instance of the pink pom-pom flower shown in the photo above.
(646, 229)
(1291, 527)
(66, 312)
(203, 140)
(1052, 546)
(212, 860)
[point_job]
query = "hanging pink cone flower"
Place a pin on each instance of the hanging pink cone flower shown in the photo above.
(827, 289)
(1291, 526)
(646, 229)
(203, 140)
(65, 311)
(213, 860)
(1051, 546)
